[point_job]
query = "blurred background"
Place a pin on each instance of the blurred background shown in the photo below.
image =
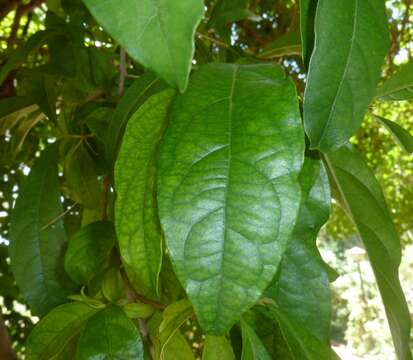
(264, 29)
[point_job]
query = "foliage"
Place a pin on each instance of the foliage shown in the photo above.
(172, 162)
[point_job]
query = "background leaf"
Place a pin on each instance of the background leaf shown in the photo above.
(342, 79)
(38, 238)
(144, 29)
(228, 190)
(399, 86)
(307, 17)
(252, 347)
(217, 347)
(88, 250)
(137, 222)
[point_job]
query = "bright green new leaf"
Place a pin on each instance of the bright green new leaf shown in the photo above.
(173, 318)
(228, 189)
(351, 40)
(134, 97)
(38, 238)
(217, 347)
(156, 33)
(402, 136)
(302, 288)
(361, 197)
(399, 86)
(109, 334)
(137, 222)
(88, 250)
(50, 338)
(252, 347)
(307, 17)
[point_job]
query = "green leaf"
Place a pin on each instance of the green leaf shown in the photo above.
(307, 17)
(14, 104)
(82, 178)
(252, 347)
(138, 310)
(156, 33)
(302, 288)
(399, 86)
(301, 343)
(361, 197)
(137, 222)
(285, 45)
(51, 336)
(217, 347)
(402, 136)
(351, 41)
(228, 190)
(174, 317)
(109, 334)
(34, 43)
(178, 348)
(38, 238)
(113, 287)
(88, 250)
(134, 97)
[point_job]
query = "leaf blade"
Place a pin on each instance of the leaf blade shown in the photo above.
(358, 190)
(142, 28)
(341, 83)
(137, 222)
(399, 86)
(201, 163)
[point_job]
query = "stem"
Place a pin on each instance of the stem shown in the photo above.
(6, 351)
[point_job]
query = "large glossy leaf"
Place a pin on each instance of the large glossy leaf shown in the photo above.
(399, 86)
(403, 137)
(228, 191)
(157, 33)
(302, 289)
(88, 250)
(307, 17)
(361, 196)
(142, 88)
(217, 347)
(301, 343)
(50, 338)
(137, 222)
(351, 41)
(109, 334)
(252, 347)
(38, 238)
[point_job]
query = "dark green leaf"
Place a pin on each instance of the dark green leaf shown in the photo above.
(288, 44)
(144, 29)
(307, 17)
(173, 318)
(13, 104)
(228, 191)
(88, 250)
(109, 334)
(50, 338)
(134, 97)
(399, 86)
(351, 41)
(82, 178)
(38, 238)
(361, 196)
(302, 288)
(217, 347)
(113, 287)
(301, 343)
(137, 222)
(252, 347)
(402, 136)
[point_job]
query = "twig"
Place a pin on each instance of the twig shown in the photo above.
(105, 198)
(57, 218)
(122, 71)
